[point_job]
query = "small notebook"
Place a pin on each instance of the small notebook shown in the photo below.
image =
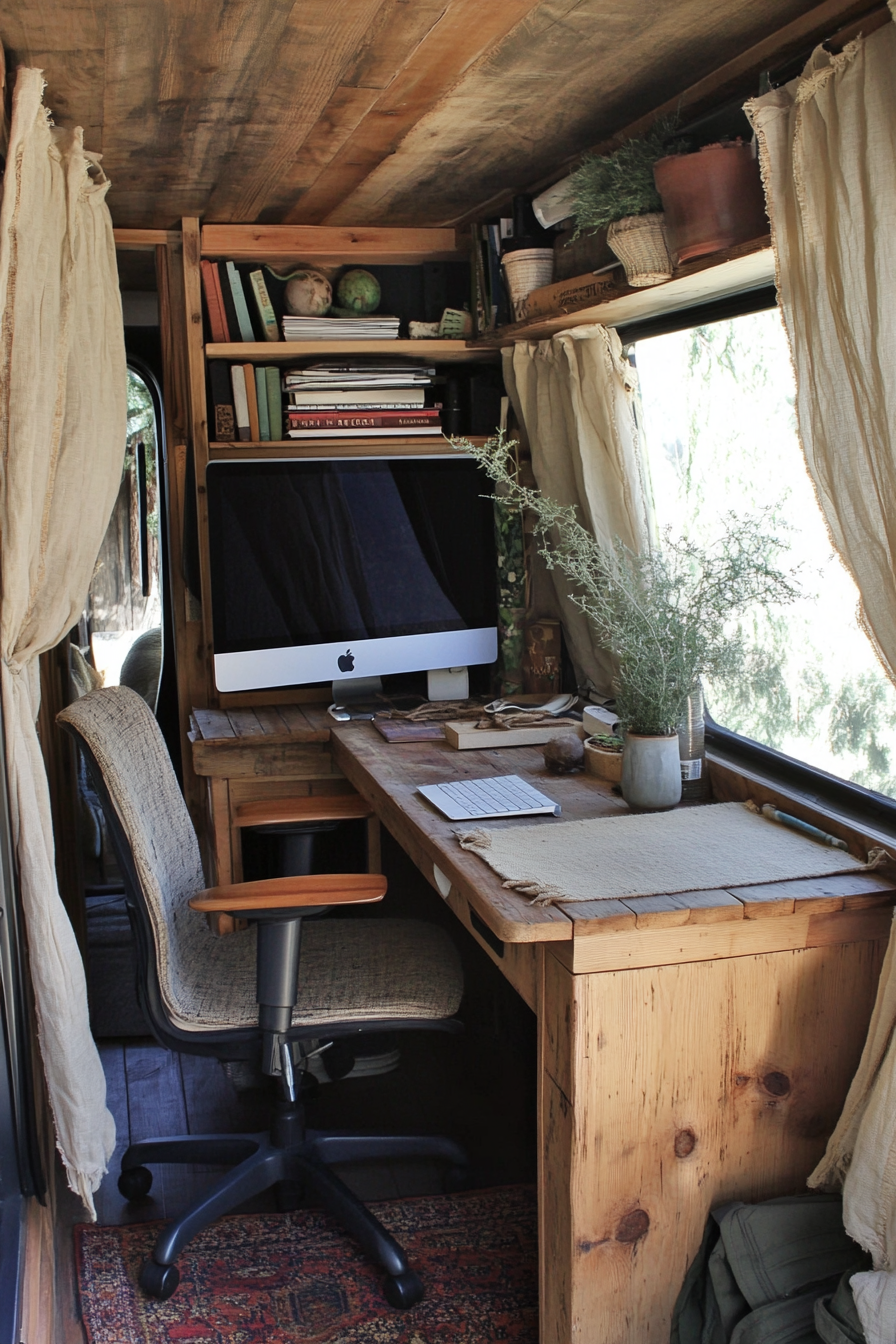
(499, 796)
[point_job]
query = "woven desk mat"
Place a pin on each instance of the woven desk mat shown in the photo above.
(610, 858)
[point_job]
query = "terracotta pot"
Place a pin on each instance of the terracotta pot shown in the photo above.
(711, 199)
(651, 772)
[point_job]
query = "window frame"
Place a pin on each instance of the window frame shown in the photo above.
(853, 801)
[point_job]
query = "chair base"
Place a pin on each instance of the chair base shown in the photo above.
(289, 1153)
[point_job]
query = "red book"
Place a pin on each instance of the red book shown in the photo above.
(211, 284)
(361, 420)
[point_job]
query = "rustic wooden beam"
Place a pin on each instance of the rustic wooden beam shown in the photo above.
(333, 246)
(144, 240)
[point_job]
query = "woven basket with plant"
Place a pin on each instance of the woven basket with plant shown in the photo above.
(617, 192)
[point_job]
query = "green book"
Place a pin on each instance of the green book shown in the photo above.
(265, 307)
(239, 303)
(261, 392)
(274, 402)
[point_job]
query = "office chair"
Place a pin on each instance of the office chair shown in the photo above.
(276, 990)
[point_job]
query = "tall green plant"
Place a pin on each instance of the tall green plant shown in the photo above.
(666, 615)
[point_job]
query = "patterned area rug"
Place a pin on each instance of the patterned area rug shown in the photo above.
(298, 1279)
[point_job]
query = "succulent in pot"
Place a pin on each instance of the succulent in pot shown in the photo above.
(668, 616)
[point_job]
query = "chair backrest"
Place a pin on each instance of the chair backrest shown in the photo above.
(161, 853)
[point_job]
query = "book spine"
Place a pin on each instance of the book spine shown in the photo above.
(423, 419)
(222, 401)
(216, 320)
(239, 302)
(261, 397)
(252, 400)
(400, 399)
(227, 304)
(240, 401)
(265, 307)
(275, 402)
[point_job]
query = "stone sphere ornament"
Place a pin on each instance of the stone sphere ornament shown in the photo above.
(358, 292)
(308, 294)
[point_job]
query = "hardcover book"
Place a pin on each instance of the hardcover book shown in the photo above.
(244, 322)
(264, 306)
(275, 402)
(252, 400)
(214, 303)
(261, 397)
(240, 401)
(222, 416)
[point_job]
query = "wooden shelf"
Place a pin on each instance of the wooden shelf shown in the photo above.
(435, 351)
(373, 446)
(329, 245)
(605, 298)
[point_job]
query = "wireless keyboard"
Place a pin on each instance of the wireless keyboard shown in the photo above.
(500, 796)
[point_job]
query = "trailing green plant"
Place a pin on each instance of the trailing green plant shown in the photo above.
(607, 187)
(667, 615)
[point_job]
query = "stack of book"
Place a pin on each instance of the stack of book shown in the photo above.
(372, 328)
(245, 402)
(329, 400)
(233, 300)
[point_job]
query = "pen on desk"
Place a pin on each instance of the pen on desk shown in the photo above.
(772, 813)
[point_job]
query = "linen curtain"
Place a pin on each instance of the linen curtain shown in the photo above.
(827, 145)
(575, 398)
(63, 418)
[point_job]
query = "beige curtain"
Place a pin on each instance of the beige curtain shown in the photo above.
(63, 416)
(574, 396)
(827, 147)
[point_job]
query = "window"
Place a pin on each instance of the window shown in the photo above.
(720, 431)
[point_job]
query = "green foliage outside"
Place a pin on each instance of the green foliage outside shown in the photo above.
(718, 405)
(142, 428)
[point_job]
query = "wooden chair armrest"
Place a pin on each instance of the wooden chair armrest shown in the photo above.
(286, 893)
(266, 812)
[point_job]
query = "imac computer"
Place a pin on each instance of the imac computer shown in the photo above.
(326, 570)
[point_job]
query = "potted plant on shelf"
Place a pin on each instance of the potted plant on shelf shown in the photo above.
(712, 198)
(666, 616)
(617, 192)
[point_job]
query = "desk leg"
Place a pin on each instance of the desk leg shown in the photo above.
(221, 832)
(666, 1091)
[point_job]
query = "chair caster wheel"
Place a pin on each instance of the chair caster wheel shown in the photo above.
(158, 1280)
(403, 1290)
(135, 1183)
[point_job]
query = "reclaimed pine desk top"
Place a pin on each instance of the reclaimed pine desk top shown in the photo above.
(661, 929)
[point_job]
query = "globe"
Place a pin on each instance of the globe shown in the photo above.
(308, 294)
(359, 292)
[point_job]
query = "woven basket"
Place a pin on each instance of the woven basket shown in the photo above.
(639, 242)
(525, 270)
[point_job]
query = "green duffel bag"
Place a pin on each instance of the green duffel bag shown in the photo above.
(754, 1256)
(836, 1318)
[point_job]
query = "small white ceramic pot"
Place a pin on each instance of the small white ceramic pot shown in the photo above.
(651, 772)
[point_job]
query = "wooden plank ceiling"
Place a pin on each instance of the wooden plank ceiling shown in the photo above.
(364, 111)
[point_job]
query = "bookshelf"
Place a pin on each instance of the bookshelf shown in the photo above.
(286, 245)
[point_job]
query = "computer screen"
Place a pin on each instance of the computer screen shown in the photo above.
(326, 569)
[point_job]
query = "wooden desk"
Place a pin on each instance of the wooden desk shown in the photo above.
(692, 1049)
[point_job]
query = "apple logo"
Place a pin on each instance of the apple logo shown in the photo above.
(346, 661)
